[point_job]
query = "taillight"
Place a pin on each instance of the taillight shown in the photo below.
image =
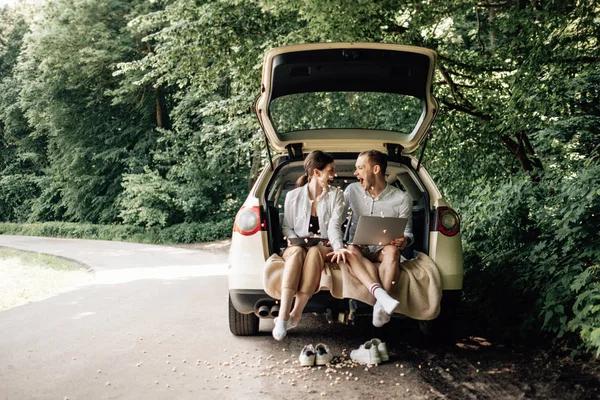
(448, 221)
(247, 221)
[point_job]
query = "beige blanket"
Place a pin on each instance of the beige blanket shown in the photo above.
(419, 289)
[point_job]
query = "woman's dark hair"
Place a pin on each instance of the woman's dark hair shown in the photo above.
(315, 160)
(376, 158)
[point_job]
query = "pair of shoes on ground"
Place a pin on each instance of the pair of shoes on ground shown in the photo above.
(373, 351)
(281, 328)
(318, 355)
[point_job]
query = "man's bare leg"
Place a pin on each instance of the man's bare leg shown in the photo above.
(389, 270)
(363, 269)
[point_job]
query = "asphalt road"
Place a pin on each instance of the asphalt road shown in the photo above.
(153, 324)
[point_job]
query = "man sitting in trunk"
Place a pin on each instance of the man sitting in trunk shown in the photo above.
(373, 196)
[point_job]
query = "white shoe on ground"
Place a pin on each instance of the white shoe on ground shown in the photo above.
(324, 356)
(382, 348)
(366, 354)
(307, 356)
(380, 317)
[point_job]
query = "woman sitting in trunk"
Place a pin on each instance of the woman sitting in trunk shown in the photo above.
(314, 208)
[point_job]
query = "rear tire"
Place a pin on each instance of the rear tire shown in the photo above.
(242, 324)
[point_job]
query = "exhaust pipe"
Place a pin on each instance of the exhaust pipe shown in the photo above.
(275, 311)
(263, 311)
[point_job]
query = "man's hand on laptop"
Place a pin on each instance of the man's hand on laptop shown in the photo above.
(339, 255)
(400, 243)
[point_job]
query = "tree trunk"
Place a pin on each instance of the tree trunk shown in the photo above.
(162, 115)
(492, 33)
(524, 153)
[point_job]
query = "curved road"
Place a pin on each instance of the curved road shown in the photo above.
(153, 325)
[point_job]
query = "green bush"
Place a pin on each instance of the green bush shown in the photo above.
(531, 255)
(17, 195)
(181, 233)
(75, 230)
(196, 232)
(147, 199)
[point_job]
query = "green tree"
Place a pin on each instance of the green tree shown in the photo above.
(21, 155)
(66, 80)
(212, 80)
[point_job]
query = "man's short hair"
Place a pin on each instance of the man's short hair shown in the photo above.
(376, 158)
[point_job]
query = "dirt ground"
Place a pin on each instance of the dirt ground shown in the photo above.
(476, 368)
(471, 368)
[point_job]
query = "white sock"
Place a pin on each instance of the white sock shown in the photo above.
(380, 317)
(280, 329)
(388, 302)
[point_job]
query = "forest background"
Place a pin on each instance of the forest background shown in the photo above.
(132, 120)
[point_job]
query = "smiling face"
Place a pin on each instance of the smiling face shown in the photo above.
(325, 175)
(366, 172)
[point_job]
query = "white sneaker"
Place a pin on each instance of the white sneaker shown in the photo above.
(382, 348)
(380, 317)
(324, 356)
(366, 354)
(307, 356)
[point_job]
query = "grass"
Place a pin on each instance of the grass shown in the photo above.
(27, 277)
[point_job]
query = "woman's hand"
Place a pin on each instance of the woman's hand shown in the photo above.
(339, 255)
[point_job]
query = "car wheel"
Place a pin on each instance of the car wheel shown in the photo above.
(242, 324)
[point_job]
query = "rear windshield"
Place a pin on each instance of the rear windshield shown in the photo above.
(345, 110)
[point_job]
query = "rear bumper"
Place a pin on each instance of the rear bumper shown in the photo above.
(248, 301)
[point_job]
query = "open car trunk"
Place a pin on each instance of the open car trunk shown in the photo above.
(399, 174)
(347, 97)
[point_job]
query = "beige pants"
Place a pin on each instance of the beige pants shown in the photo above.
(302, 269)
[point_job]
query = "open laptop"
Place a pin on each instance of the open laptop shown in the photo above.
(378, 231)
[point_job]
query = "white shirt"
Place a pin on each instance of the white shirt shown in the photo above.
(391, 202)
(330, 210)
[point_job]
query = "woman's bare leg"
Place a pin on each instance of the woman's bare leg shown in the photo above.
(294, 257)
(309, 280)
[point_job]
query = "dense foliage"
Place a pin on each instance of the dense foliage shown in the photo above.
(138, 115)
